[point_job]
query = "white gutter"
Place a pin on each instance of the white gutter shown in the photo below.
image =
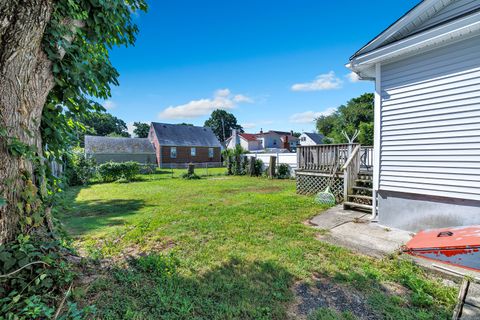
(459, 29)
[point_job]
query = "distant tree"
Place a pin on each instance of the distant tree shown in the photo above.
(115, 135)
(185, 124)
(141, 129)
(357, 114)
(366, 134)
(297, 134)
(326, 125)
(103, 124)
(222, 124)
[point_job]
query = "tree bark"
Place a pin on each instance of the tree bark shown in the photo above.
(26, 78)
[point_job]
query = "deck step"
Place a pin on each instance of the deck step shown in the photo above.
(364, 180)
(358, 196)
(366, 173)
(362, 188)
(358, 205)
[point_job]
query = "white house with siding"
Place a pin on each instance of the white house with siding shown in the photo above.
(310, 139)
(426, 68)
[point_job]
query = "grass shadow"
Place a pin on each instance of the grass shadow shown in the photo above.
(152, 288)
(86, 216)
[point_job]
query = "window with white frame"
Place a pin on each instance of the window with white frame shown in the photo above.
(210, 153)
(173, 152)
(193, 152)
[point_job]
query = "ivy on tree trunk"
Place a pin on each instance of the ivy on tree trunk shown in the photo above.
(54, 57)
(25, 82)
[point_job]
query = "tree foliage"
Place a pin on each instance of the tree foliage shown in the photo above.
(141, 129)
(78, 39)
(105, 124)
(357, 114)
(222, 124)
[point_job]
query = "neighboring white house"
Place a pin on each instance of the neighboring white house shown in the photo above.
(271, 141)
(310, 139)
(278, 139)
(426, 68)
(248, 141)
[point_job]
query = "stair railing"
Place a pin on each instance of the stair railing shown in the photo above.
(351, 168)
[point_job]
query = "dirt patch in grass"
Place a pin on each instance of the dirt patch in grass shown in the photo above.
(309, 223)
(325, 293)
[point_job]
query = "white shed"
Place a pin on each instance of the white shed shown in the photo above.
(426, 68)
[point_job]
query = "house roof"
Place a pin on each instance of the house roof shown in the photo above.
(185, 136)
(316, 137)
(248, 136)
(113, 145)
(280, 133)
(418, 29)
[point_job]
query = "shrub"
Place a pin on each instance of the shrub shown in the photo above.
(257, 167)
(245, 162)
(113, 171)
(235, 164)
(190, 176)
(80, 169)
(283, 171)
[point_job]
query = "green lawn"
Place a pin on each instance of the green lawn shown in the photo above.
(224, 248)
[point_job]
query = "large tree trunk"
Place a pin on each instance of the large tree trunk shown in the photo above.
(25, 81)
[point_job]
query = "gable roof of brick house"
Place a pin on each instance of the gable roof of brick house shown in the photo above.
(185, 135)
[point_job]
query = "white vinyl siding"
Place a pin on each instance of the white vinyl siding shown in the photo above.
(430, 128)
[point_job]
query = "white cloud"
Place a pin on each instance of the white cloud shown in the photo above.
(310, 116)
(222, 99)
(109, 104)
(251, 125)
(240, 98)
(353, 77)
(327, 81)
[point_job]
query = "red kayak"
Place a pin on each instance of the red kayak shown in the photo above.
(458, 246)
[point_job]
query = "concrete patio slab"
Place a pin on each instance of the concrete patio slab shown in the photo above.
(354, 230)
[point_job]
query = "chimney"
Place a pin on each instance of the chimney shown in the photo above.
(235, 137)
(286, 145)
(261, 130)
(291, 132)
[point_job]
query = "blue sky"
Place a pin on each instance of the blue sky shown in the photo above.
(273, 64)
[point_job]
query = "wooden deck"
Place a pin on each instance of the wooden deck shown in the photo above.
(337, 166)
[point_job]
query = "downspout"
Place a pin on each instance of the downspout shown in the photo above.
(160, 156)
(377, 139)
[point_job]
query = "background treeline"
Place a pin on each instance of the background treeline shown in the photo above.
(356, 114)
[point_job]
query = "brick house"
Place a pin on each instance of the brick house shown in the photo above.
(177, 145)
